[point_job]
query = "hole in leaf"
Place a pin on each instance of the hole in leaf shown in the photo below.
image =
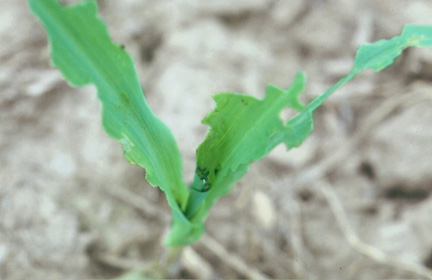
(286, 114)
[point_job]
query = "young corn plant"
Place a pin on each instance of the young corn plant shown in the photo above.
(243, 129)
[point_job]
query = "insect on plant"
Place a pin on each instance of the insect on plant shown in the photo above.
(243, 129)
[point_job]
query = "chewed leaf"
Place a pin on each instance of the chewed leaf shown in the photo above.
(84, 52)
(243, 129)
(381, 54)
(242, 132)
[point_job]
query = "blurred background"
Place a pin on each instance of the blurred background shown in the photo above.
(352, 202)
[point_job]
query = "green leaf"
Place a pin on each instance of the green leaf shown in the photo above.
(244, 129)
(381, 54)
(84, 52)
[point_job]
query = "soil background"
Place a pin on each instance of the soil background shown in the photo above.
(353, 202)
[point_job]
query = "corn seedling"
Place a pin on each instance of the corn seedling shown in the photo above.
(243, 129)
